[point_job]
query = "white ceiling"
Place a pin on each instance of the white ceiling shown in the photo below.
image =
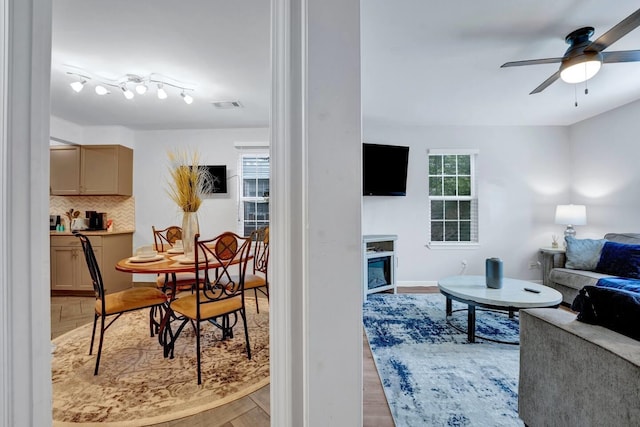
(423, 62)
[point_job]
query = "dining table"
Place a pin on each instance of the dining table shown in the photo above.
(170, 264)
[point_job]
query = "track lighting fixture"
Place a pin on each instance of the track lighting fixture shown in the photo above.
(130, 82)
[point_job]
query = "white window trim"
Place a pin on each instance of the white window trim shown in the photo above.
(474, 196)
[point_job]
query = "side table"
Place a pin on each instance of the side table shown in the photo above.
(551, 258)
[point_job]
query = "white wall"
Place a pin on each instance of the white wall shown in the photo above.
(522, 175)
(605, 172)
(66, 131)
(217, 213)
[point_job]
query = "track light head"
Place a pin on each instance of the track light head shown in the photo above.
(162, 94)
(126, 92)
(101, 90)
(78, 86)
(188, 99)
(141, 88)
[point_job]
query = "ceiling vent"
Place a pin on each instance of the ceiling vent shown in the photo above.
(227, 105)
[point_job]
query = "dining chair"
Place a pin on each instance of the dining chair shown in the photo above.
(118, 303)
(164, 240)
(258, 280)
(225, 256)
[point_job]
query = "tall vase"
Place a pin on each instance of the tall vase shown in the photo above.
(190, 228)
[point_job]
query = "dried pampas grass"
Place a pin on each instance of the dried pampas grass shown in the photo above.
(189, 180)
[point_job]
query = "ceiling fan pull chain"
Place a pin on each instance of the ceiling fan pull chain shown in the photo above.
(575, 94)
(586, 88)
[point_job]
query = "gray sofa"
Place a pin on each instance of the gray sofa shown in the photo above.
(576, 374)
(569, 282)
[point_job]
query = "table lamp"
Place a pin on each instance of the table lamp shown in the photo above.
(571, 215)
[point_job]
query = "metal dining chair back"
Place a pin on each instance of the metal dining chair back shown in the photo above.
(258, 280)
(222, 261)
(118, 303)
(164, 239)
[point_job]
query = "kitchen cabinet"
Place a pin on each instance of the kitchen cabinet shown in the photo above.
(69, 271)
(65, 170)
(91, 170)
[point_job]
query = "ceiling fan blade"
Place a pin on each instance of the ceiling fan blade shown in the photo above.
(532, 62)
(618, 31)
(621, 56)
(555, 76)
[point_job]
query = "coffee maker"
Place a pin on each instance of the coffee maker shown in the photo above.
(54, 221)
(97, 220)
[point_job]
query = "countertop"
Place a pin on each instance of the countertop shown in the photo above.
(91, 233)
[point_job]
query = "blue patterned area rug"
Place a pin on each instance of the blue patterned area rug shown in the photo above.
(430, 374)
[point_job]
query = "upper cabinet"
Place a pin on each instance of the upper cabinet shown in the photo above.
(91, 170)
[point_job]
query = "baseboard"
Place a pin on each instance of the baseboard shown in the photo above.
(413, 283)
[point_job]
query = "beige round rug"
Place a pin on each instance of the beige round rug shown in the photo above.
(137, 386)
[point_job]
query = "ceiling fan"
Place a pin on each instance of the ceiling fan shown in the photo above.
(583, 58)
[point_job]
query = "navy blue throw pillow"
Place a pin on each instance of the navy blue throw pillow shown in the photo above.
(619, 259)
(616, 309)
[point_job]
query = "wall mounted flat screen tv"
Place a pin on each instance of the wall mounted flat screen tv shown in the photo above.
(219, 175)
(384, 170)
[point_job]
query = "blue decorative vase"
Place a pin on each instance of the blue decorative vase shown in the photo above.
(493, 272)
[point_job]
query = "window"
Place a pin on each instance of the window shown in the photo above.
(254, 194)
(453, 203)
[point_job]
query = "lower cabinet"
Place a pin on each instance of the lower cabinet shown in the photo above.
(69, 271)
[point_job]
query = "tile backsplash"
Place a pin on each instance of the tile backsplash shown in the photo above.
(121, 209)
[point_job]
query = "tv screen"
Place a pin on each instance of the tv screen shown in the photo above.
(219, 175)
(384, 170)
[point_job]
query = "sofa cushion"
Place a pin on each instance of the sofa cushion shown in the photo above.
(575, 279)
(583, 254)
(630, 238)
(620, 259)
(616, 309)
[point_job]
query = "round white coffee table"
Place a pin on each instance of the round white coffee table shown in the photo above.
(513, 296)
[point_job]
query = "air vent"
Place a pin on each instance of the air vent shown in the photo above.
(226, 105)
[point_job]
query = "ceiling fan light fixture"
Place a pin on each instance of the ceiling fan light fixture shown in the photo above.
(581, 68)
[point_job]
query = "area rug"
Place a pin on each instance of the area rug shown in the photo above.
(430, 374)
(137, 386)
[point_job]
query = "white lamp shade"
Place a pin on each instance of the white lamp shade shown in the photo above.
(571, 214)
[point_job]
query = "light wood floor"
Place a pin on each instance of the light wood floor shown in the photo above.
(68, 313)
